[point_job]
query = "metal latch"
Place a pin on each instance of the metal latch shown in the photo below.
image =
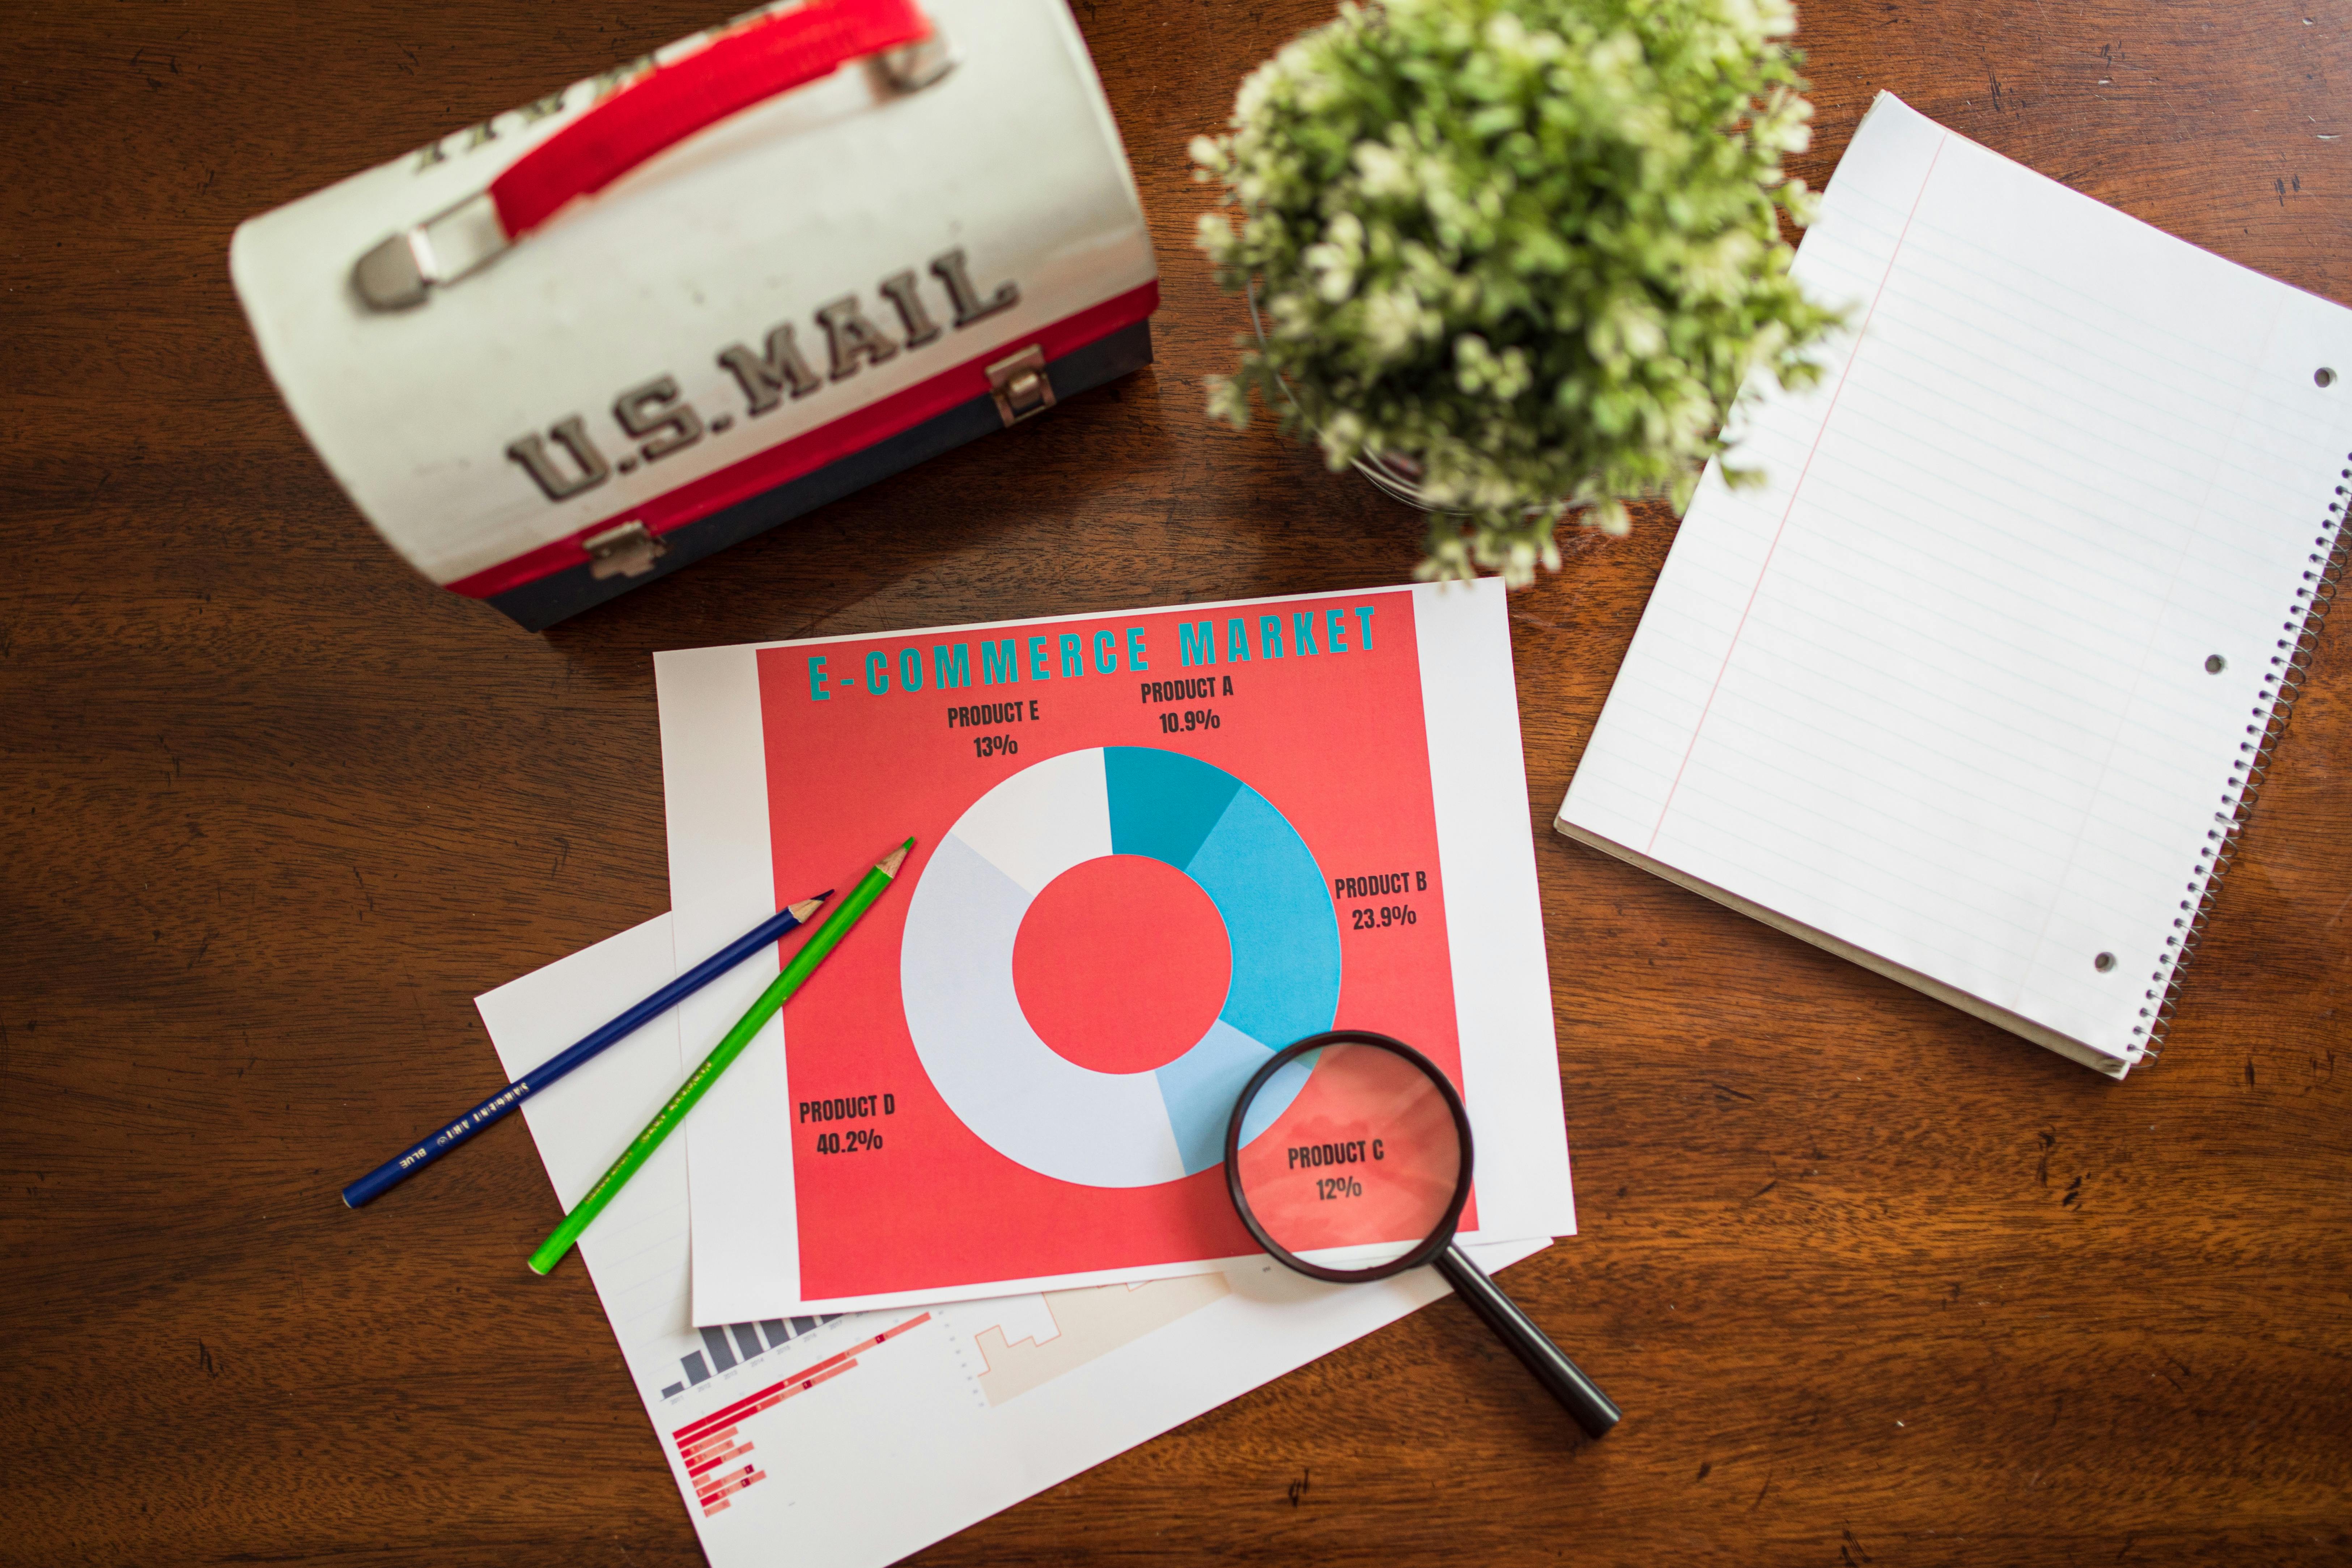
(913, 67)
(1020, 385)
(628, 551)
(447, 246)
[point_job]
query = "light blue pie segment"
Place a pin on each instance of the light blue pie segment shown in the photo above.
(1201, 1087)
(1276, 1096)
(1279, 917)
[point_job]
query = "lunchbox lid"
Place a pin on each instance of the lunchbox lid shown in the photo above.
(787, 281)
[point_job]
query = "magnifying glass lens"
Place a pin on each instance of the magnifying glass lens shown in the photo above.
(1358, 1164)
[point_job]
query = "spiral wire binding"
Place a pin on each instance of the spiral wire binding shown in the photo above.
(2289, 664)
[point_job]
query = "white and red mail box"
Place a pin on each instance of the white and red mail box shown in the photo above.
(589, 341)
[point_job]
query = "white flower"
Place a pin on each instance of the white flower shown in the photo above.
(1291, 315)
(1393, 320)
(1720, 269)
(1341, 438)
(1383, 170)
(1333, 263)
(1215, 235)
(1628, 329)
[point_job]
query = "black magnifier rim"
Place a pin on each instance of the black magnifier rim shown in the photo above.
(1438, 1239)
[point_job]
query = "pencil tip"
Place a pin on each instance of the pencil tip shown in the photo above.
(909, 844)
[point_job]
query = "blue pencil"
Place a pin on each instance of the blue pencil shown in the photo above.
(415, 1158)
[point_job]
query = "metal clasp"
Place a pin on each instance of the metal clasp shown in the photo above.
(910, 67)
(434, 254)
(628, 551)
(1020, 385)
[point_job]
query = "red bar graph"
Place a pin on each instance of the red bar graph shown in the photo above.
(716, 1453)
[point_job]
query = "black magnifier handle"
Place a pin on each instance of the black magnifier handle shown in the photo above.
(1578, 1394)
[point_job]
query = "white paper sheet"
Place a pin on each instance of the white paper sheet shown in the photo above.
(747, 1264)
(1939, 690)
(889, 1446)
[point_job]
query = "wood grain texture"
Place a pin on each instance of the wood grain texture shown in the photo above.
(1876, 1284)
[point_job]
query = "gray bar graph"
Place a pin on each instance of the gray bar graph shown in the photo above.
(747, 1346)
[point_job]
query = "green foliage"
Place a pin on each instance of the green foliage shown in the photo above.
(1529, 245)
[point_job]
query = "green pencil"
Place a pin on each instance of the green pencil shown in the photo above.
(801, 964)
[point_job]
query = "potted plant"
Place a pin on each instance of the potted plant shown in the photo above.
(1515, 258)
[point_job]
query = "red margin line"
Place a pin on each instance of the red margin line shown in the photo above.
(1836, 393)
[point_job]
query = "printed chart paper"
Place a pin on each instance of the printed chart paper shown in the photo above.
(793, 1439)
(1152, 848)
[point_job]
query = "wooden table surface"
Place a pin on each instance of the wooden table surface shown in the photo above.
(1876, 1283)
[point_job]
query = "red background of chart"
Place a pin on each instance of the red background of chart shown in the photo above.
(1335, 741)
(1122, 963)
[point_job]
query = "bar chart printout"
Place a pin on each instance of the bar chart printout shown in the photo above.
(715, 1451)
(719, 1353)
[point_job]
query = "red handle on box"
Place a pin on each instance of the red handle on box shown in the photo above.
(787, 50)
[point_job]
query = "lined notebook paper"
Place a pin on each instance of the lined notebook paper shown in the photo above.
(1972, 688)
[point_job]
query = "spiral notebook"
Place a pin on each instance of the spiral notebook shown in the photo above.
(1976, 686)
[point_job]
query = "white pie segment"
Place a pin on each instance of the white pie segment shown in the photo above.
(1028, 1101)
(1045, 819)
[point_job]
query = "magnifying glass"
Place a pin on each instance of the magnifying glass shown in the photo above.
(1349, 1157)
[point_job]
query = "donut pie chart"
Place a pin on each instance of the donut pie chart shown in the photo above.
(1001, 1078)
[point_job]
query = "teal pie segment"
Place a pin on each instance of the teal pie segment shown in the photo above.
(1163, 804)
